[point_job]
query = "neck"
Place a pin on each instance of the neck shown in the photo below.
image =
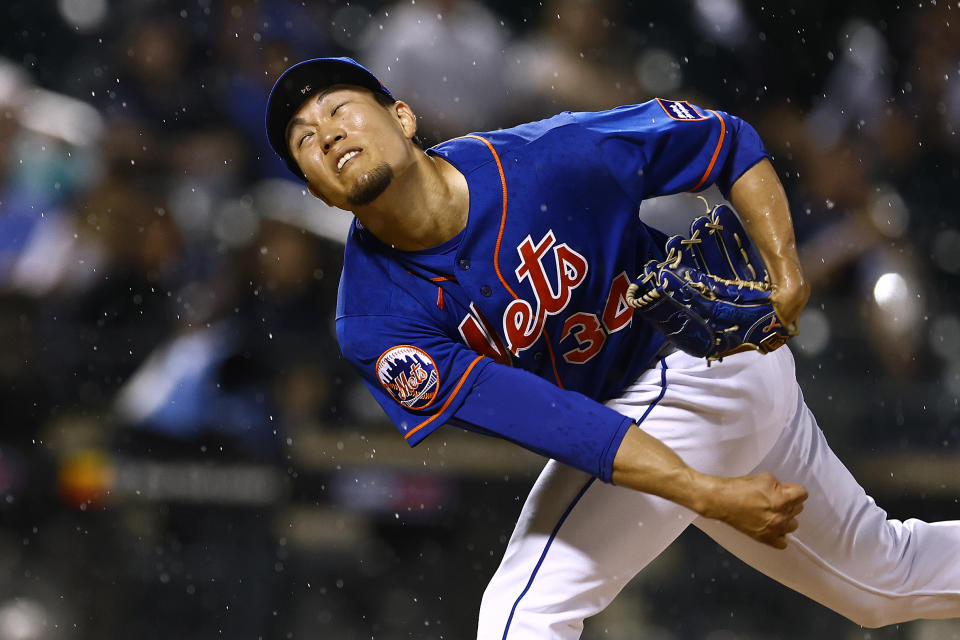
(424, 206)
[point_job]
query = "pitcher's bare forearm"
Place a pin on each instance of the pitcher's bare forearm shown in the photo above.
(758, 505)
(762, 205)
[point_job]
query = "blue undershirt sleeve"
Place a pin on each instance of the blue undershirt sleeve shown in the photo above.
(567, 426)
(424, 380)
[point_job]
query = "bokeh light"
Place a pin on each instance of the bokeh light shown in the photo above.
(85, 15)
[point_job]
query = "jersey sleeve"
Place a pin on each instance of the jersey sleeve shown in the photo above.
(416, 373)
(663, 147)
(423, 380)
(567, 426)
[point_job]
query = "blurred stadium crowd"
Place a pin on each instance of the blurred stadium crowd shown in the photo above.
(185, 455)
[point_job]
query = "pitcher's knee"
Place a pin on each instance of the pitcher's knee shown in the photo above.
(883, 611)
(871, 617)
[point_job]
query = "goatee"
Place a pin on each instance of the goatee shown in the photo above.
(370, 185)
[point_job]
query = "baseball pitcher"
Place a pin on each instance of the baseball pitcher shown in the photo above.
(504, 283)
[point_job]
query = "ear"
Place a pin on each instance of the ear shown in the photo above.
(316, 194)
(406, 117)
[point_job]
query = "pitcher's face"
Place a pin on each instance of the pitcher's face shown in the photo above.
(350, 146)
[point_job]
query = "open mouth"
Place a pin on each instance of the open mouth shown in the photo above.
(345, 158)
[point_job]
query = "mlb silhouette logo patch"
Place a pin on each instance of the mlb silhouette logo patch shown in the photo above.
(681, 110)
(409, 375)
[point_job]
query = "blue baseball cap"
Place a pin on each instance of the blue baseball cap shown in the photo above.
(302, 80)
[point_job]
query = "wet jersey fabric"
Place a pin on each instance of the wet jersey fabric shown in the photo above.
(518, 327)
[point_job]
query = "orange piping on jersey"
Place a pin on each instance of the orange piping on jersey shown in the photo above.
(716, 152)
(553, 361)
(503, 214)
(453, 394)
(496, 250)
(437, 279)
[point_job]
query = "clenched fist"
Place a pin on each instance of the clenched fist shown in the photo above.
(758, 505)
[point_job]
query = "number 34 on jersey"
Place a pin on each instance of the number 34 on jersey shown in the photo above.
(523, 321)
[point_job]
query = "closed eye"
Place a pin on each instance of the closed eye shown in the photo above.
(336, 108)
(302, 138)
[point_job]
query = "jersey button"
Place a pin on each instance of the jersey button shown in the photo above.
(486, 291)
(463, 263)
(538, 356)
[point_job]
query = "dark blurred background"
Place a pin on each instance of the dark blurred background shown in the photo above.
(184, 454)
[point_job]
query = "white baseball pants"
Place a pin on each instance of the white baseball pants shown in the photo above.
(579, 541)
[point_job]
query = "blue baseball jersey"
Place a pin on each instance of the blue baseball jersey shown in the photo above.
(518, 326)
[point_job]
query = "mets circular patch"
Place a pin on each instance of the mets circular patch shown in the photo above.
(409, 375)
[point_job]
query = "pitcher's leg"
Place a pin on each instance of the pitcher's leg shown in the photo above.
(576, 545)
(846, 554)
(579, 541)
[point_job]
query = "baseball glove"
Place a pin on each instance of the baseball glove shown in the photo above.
(710, 296)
